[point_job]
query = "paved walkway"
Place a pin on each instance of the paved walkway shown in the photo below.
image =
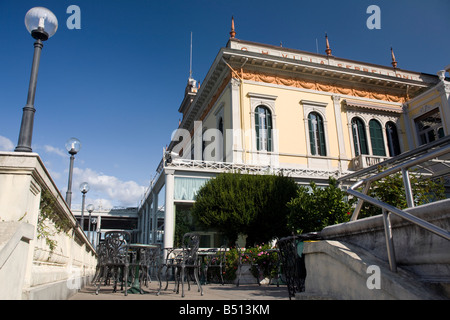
(211, 292)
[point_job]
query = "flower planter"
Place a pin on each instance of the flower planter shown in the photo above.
(246, 276)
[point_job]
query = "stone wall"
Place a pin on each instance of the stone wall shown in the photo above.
(29, 267)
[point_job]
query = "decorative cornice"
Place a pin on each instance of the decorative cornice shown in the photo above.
(321, 86)
(215, 97)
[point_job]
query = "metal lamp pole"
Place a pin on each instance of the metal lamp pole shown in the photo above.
(90, 208)
(84, 188)
(73, 145)
(42, 24)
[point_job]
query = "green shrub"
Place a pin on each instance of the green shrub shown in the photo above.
(255, 205)
(316, 207)
(391, 191)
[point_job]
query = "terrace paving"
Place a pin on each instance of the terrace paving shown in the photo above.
(211, 292)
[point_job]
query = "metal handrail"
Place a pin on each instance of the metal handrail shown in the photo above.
(387, 209)
(424, 149)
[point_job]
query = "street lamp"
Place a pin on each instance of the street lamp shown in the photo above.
(73, 146)
(90, 208)
(42, 24)
(84, 188)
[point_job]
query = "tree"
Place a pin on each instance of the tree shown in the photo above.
(316, 207)
(255, 205)
(392, 191)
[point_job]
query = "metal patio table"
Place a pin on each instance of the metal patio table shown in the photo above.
(136, 252)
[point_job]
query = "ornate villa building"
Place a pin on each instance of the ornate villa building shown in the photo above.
(269, 109)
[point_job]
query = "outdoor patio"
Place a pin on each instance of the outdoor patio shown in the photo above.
(211, 291)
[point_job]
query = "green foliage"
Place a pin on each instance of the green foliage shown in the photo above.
(391, 191)
(315, 208)
(260, 257)
(183, 224)
(48, 214)
(231, 264)
(255, 205)
(229, 268)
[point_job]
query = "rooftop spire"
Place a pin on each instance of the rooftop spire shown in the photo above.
(327, 50)
(190, 60)
(394, 62)
(232, 32)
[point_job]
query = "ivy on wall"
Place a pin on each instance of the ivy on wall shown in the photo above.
(49, 213)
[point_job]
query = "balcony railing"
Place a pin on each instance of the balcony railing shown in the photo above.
(365, 161)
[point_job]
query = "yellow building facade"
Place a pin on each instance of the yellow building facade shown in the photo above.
(264, 108)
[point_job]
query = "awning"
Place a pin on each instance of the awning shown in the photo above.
(373, 106)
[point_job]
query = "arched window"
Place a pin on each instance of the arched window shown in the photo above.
(316, 134)
(359, 136)
(392, 139)
(263, 127)
(376, 138)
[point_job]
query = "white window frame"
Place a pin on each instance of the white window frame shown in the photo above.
(320, 109)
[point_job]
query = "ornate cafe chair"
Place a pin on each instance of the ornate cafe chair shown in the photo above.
(150, 260)
(183, 260)
(216, 260)
(114, 259)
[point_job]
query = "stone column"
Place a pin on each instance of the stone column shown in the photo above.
(154, 214)
(169, 212)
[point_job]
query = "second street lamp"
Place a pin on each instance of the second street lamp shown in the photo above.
(73, 146)
(90, 208)
(84, 188)
(42, 24)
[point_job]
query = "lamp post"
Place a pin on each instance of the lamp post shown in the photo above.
(42, 24)
(84, 188)
(73, 146)
(90, 208)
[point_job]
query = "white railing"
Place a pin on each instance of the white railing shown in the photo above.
(219, 167)
(365, 161)
(250, 168)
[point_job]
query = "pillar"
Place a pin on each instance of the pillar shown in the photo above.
(169, 212)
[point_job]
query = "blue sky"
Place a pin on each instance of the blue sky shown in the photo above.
(116, 83)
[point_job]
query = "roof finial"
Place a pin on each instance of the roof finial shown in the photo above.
(394, 62)
(190, 60)
(327, 50)
(232, 32)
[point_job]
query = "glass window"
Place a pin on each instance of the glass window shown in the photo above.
(359, 136)
(376, 138)
(263, 127)
(316, 134)
(392, 137)
(429, 127)
(187, 188)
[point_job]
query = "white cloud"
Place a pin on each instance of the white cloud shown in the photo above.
(57, 151)
(55, 175)
(108, 189)
(6, 144)
(99, 204)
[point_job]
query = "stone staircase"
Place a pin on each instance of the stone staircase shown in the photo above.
(351, 263)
